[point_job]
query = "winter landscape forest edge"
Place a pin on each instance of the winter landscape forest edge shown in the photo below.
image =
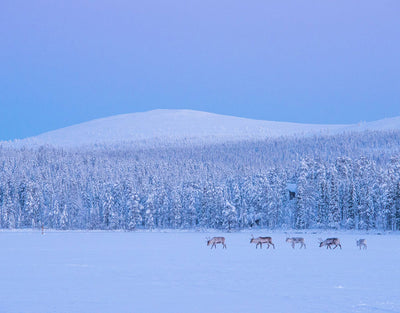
(349, 180)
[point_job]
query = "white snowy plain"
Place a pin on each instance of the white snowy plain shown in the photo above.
(119, 272)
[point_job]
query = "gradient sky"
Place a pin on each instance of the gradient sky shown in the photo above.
(66, 62)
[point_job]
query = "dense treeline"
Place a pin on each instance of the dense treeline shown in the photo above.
(349, 181)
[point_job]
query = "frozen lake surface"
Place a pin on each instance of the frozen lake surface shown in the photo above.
(118, 272)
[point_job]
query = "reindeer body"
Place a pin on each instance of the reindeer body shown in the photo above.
(330, 241)
(294, 240)
(362, 243)
(215, 240)
(261, 240)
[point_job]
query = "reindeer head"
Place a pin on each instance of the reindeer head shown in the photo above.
(252, 238)
(287, 239)
(208, 241)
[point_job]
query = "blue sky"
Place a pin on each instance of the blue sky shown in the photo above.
(66, 62)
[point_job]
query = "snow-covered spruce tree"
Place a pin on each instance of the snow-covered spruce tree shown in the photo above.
(64, 220)
(117, 206)
(93, 207)
(9, 201)
(321, 200)
(334, 214)
(205, 210)
(229, 217)
(107, 209)
(54, 216)
(190, 213)
(278, 190)
(149, 213)
(32, 205)
(344, 178)
(305, 195)
(260, 200)
(8, 209)
(216, 207)
(237, 202)
(176, 210)
(134, 218)
(248, 216)
(393, 200)
(365, 176)
(162, 205)
(381, 202)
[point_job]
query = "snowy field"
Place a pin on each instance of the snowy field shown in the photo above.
(175, 272)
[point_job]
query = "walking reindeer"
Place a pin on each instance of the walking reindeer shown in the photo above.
(216, 240)
(329, 242)
(261, 240)
(361, 243)
(294, 240)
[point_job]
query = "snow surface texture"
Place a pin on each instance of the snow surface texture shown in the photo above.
(109, 272)
(187, 125)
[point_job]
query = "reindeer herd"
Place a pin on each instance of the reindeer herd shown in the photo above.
(259, 241)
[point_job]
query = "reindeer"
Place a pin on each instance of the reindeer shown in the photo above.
(294, 240)
(330, 241)
(361, 243)
(261, 240)
(215, 240)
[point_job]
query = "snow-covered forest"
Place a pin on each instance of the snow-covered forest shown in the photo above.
(346, 181)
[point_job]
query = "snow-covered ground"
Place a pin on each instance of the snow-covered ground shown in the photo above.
(175, 272)
(172, 126)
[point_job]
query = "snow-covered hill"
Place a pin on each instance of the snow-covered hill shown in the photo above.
(178, 125)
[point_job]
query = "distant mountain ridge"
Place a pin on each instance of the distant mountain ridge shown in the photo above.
(179, 125)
